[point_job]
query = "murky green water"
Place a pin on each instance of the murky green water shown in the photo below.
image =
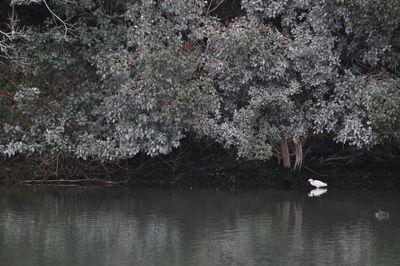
(157, 227)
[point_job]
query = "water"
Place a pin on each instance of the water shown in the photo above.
(157, 227)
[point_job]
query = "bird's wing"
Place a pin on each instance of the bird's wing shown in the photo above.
(320, 183)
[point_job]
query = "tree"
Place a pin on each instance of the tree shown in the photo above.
(109, 80)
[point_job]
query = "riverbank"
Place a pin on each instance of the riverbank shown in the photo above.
(217, 174)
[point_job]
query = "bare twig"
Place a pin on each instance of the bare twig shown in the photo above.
(66, 25)
(7, 38)
(215, 7)
(6, 42)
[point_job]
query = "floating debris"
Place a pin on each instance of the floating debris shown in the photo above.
(381, 215)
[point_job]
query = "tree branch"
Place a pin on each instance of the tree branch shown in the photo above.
(66, 25)
(214, 8)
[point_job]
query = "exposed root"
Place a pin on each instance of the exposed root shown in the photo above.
(299, 153)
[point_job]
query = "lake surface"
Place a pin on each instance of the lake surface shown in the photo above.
(164, 227)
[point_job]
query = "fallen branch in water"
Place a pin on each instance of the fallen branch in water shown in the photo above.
(81, 182)
(312, 171)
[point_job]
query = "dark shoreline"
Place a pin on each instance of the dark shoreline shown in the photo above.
(223, 175)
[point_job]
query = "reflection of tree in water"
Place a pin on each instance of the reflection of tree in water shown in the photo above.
(179, 228)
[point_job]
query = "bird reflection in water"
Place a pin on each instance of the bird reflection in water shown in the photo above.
(317, 192)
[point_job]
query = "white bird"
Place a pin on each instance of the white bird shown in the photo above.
(317, 183)
(317, 192)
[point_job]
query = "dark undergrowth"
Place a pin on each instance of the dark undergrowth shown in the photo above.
(204, 166)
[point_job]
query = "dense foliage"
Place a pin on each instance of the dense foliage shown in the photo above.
(111, 79)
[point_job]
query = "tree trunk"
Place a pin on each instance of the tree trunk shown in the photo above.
(299, 153)
(285, 156)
